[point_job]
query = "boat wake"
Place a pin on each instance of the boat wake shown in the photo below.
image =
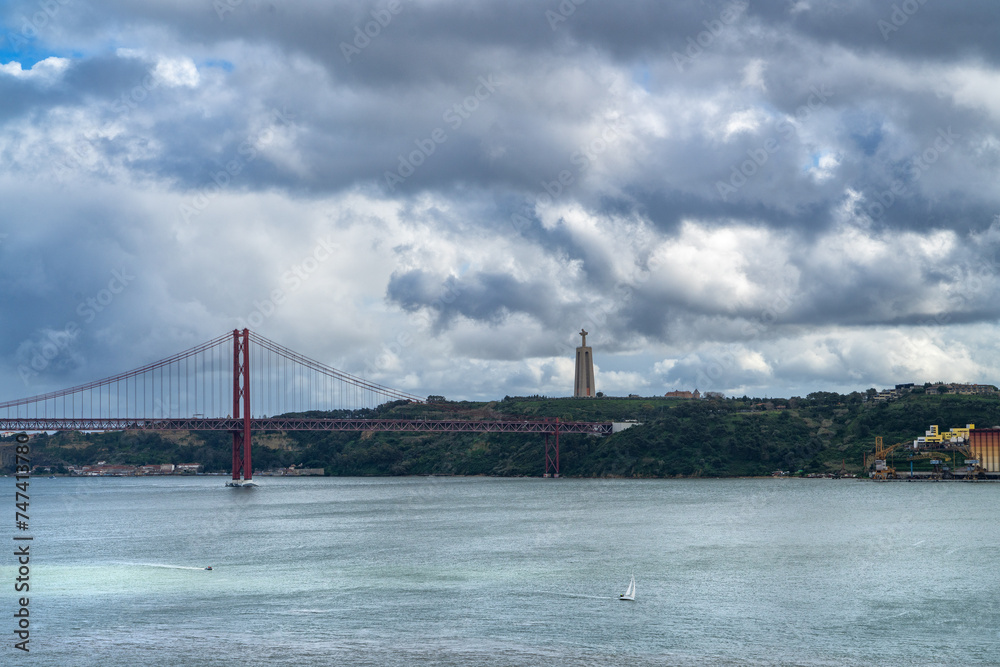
(166, 566)
(575, 595)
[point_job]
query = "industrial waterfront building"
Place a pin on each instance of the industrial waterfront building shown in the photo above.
(984, 443)
(980, 445)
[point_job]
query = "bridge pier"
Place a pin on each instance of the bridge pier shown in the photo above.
(552, 462)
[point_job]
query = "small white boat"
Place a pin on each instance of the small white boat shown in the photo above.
(629, 593)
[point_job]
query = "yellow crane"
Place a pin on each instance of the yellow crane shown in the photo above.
(882, 470)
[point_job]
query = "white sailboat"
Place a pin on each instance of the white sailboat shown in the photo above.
(629, 593)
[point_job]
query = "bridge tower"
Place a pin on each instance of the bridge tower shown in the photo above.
(242, 465)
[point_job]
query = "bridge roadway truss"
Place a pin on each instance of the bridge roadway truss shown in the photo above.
(241, 455)
(299, 424)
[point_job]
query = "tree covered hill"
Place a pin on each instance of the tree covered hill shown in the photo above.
(716, 437)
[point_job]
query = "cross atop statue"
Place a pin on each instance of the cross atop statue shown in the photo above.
(583, 332)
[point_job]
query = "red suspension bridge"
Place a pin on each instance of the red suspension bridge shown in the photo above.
(220, 385)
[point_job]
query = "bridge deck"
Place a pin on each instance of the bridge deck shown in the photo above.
(300, 424)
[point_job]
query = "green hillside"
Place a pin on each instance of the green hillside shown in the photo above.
(719, 437)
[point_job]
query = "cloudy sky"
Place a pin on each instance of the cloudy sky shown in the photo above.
(766, 197)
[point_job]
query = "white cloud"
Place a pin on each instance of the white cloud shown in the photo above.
(175, 72)
(171, 72)
(723, 267)
(747, 120)
(45, 71)
(825, 166)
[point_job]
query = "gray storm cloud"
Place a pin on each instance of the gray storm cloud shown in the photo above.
(782, 185)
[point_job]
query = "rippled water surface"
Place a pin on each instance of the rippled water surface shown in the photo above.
(476, 571)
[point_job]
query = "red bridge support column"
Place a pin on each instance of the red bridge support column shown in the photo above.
(242, 465)
(552, 464)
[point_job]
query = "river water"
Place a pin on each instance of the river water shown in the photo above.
(482, 571)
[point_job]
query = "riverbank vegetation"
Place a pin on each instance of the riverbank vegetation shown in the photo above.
(716, 437)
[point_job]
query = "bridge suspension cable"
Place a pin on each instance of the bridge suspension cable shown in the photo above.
(309, 384)
(198, 383)
(148, 391)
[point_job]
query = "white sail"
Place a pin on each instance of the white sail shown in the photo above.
(629, 593)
